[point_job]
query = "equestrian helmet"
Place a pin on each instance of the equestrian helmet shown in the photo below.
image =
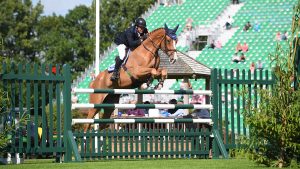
(140, 22)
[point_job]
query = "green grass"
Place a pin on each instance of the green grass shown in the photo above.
(142, 164)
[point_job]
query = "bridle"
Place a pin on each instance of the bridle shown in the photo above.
(165, 50)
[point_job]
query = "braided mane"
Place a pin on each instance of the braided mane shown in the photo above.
(155, 30)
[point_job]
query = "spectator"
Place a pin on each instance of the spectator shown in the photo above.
(189, 26)
(219, 44)
(256, 27)
(284, 36)
(202, 97)
(238, 47)
(201, 113)
(228, 23)
(247, 26)
(179, 2)
(189, 21)
(252, 67)
(196, 99)
(161, 2)
(176, 112)
(278, 36)
(259, 65)
(135, 112)
(212, 44)
(235, 58)
(245, 47)
(187, 37)
(164, 113)
(235, 2)
(146, 110)
(172, 101)
(167, 4)
(242, 58)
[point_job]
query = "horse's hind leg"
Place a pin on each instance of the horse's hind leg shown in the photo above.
(91, 114)
(106, 115)
(111, 98)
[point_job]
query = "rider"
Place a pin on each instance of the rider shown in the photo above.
(131, 38)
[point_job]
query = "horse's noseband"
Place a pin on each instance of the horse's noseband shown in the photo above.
(165, 50)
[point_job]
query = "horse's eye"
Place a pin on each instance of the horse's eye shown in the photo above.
(168, 41)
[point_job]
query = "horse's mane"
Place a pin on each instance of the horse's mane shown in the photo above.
(155, 30)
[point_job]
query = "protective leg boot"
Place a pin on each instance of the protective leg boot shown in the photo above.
(115, 75)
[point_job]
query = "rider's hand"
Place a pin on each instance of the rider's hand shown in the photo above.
(144, 37)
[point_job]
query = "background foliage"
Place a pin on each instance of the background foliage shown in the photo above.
(274, 126)
(28, 36)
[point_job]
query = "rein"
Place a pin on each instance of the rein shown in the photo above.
(165, 50)
(155, 45)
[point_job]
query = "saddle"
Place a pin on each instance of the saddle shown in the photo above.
(111, 68)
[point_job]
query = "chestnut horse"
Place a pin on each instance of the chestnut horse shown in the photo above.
(141, 65)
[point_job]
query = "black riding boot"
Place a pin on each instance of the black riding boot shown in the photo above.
(115, 75)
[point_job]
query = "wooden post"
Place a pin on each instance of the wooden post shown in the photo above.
(140, 98)
(186, 97)
(207, 87)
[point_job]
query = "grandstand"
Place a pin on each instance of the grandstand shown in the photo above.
(273, 16)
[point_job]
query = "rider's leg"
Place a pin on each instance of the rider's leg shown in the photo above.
(119, 60)
(118, 64)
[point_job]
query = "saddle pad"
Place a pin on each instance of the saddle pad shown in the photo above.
(111, 68)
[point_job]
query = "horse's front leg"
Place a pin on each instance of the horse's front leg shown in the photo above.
(142, 72)
(163, 73)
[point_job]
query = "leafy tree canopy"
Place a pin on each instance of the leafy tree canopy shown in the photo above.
(30, 37)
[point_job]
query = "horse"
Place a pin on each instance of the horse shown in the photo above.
(142, 64)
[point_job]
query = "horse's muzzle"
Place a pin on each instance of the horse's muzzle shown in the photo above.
(172, 61)
(174, 58)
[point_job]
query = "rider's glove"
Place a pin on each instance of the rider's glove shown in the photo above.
(144, 37)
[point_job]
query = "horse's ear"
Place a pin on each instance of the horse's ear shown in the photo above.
(166, 27)
(175, 29)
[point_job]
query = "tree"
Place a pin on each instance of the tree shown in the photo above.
(275, 124)
(18, 20)
(3, 139)
(67, 40)
(116, 16)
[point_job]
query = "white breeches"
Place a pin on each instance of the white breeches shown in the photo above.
(121, 50)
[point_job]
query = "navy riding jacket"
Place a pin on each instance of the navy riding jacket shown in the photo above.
(130, 38)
